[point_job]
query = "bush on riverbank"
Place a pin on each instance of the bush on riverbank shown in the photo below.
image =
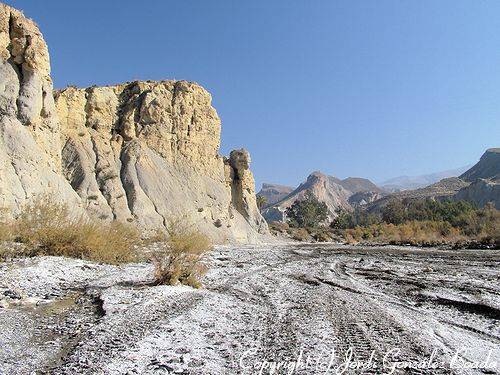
(422, 233)
(47, 228)
(422, 222)
(179, 255)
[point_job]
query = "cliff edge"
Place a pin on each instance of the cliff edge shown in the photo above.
(140, 152)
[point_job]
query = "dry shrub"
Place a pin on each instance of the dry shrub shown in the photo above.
(48, 228)
(278, 227)
(412, 232)
(489, 230)
(300, 234)
(179, 255)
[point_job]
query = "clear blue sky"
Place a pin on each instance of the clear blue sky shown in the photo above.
(353, 88)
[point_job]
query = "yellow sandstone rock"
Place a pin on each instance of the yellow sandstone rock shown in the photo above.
(139, 152)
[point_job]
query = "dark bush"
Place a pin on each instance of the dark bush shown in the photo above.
(307, 213)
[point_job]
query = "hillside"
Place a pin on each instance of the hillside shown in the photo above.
(274, 193)
(480, 185)
(488, 167)
(445, 188)
(359, 185)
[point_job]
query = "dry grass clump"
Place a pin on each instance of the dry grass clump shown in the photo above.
(488, 226)
(179, 255)
(48, 228)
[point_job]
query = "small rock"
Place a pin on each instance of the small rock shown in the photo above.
(12, 294)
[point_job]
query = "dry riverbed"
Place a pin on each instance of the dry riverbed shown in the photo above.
(309, 309)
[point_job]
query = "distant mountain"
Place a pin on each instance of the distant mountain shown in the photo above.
(479, 184)
(274, 192)
(416, 182)
(334, 192)
(359, 185)
(446, 188)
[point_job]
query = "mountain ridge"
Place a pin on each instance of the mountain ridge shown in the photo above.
(331, 190)
(420, 181)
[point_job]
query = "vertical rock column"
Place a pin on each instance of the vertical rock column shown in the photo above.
(243, 189)
(30, 152)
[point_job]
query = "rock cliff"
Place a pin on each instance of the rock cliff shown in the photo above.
(140, 152)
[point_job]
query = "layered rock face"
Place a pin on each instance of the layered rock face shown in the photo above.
(141, 152)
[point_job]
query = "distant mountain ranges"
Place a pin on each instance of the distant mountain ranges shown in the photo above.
(479, 184)
(416, 182)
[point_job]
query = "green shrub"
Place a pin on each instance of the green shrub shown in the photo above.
(307, 213)
(444, 220)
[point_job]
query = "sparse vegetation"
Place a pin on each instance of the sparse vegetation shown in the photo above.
(179, 255)
(48, 228)
(422, 222)
(422, 233)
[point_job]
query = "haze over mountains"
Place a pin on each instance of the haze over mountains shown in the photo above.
(415, 182)
(479, 184)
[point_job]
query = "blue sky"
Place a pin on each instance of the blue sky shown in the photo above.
(353, 88)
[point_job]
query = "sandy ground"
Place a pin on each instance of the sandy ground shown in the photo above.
(277, 309)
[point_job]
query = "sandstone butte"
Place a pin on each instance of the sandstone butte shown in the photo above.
(139, 152)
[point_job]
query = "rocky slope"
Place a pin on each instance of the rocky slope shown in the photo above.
(359, 185)
(484, 178)
(488, 167)
(481, 192)
(334, 192)
(273, 193)
(444, 189)
(140, 152)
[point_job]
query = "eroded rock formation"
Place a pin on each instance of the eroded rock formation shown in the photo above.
(140, 152)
